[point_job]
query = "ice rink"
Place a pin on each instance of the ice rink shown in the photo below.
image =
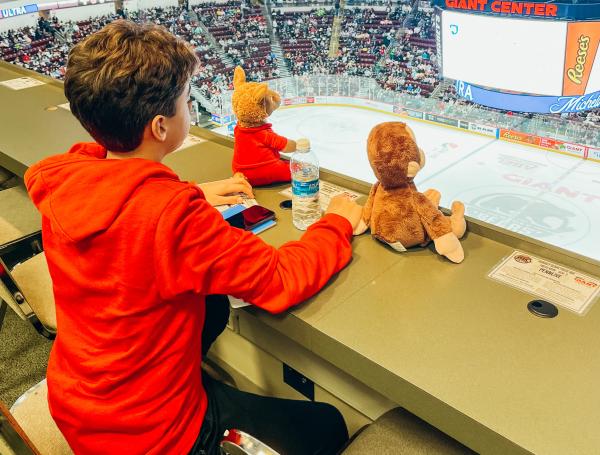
(541, 194)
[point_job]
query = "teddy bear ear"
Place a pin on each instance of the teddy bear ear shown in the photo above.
(239, 77)
(261, 92)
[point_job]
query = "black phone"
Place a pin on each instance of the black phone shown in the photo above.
(251, 217)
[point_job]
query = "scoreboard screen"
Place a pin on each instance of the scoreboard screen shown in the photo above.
(526, 55)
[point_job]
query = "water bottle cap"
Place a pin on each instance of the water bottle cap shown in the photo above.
(303, 144)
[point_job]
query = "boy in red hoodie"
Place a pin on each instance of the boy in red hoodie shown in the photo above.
(133, 251)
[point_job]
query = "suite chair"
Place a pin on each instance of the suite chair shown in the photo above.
(25, 283)
(400, 432)
(18, 215)
(18, 219)
(32, 414)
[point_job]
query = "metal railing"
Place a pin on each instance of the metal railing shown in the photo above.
(319, 85)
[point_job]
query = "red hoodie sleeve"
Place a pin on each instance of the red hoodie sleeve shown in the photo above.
(197, 250)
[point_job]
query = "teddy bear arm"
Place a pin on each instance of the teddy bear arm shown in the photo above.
(290, 146)
(434, 221)
(275, 141)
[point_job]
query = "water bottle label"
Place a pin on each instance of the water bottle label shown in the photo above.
(304, 189)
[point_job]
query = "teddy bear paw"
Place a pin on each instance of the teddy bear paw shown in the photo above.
(448, 245)
(457, 219)
(434, 196)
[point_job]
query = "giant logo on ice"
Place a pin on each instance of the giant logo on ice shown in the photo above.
(546, 217)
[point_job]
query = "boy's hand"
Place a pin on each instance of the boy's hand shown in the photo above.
(344, 206)
(225, 191)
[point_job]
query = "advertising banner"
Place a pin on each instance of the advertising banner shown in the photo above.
(17, 11)
(440, 119)
(582, 45)
(526, 138)
(593, 154)
(564, 10)
(414, 114)
(527, 103)
(574, 149)
(484, 129)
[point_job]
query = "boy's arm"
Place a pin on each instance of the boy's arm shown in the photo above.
(197, 250)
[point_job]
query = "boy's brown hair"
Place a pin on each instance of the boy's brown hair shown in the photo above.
(121, 77)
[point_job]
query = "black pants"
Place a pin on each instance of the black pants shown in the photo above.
(291, 427)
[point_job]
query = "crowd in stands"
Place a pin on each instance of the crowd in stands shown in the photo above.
(364, 38)
(35, 48)
(241, 31)
(392, 42)
(304, 38)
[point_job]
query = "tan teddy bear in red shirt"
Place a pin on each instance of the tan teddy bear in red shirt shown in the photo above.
(256, 148)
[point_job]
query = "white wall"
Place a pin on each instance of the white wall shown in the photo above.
(13, 23)
(147, 4)
(130, 5)
(15, 3)
(82, 13)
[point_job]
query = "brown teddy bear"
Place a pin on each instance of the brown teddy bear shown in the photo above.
(395, 211)
(256, 148)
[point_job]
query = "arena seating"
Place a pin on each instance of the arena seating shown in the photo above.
(242, 33)
(391, 42)
(304, 38)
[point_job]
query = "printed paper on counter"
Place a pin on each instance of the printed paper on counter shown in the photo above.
(553, 282)
(189, 141)
(326, 192)
(21, 83)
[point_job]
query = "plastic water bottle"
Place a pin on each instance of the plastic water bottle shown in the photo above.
(305, 186)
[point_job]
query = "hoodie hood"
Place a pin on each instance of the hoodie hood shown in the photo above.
(82, 192)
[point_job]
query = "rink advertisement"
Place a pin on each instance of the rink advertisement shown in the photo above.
(442, 120)
(553, 282)
(594, 154)
(484, 129)
(582, 43)
(577, 150)
(527, 103)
